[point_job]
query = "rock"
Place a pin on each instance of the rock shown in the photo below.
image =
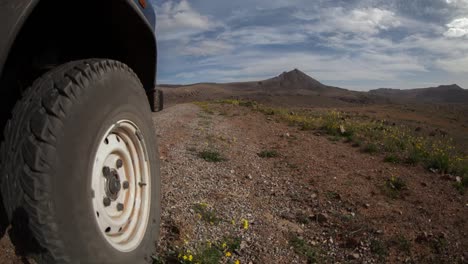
(288, 216)
(354, 256)
(342, 129)
(287, 135)
(367, 205)
(249, 177)
(243, 245)
(446, 177)
(232, 171)
(458, 179)
(423, 237)
(350, 243)
(321, 218)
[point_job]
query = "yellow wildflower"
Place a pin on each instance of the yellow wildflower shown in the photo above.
(224, 245)
(185, 257)
(228, 254)
(190, 258)
(237, 261)
(245, 223)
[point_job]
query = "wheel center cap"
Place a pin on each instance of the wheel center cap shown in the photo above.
(113, 185)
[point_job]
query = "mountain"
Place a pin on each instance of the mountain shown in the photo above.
(440, 94)
(299, 89)
(293, 80)
(289, 88)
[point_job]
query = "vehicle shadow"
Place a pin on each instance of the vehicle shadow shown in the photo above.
(3, 218)
(20, 235)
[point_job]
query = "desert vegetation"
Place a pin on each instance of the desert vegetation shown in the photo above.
(398, 143)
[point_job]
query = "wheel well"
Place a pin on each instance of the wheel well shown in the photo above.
(60, 31)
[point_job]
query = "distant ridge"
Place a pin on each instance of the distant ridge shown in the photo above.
(305, 90)
(441, 94)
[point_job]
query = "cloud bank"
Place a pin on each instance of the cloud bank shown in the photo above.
(359, 44)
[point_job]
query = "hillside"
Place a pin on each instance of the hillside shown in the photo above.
(289, 88)
(295, 88)
(441, 94)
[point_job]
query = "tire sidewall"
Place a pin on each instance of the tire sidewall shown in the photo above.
(115, 95)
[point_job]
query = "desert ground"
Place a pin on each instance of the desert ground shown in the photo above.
(241, 185)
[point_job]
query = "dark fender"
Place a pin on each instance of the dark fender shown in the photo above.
(14, 13)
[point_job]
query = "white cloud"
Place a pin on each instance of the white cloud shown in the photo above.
(457, 28)
(368, 21)
(180, 20)
(459, 3)
(365, 67)
(264, 36)
(458, 65)
(206, 48)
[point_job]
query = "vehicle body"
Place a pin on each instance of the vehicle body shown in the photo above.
(67, 70)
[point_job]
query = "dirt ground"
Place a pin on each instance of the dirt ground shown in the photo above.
(327, 194)
(315, 200)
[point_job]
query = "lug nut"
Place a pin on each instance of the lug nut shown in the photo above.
(106, 201)
(120, 207)
(119, 163)
(106, 171)
(125, 185)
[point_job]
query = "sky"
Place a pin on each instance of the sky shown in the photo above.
(355, 44)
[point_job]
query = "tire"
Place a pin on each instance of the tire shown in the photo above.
(53, 160)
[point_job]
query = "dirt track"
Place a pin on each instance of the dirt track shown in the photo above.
(318, 200)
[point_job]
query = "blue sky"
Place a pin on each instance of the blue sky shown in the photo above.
(356, 44)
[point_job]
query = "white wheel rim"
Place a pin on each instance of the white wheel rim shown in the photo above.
(122, 213)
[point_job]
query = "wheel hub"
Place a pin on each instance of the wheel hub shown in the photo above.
(121, 185)
(113, 185)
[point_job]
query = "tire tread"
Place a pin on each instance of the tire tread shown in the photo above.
(29, 149)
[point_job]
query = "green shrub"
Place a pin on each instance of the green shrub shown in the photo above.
(211, 156)
(302, 248)
(206, 214)
(394, 186)
(370, 148)
(268, 154)
(392, 158)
